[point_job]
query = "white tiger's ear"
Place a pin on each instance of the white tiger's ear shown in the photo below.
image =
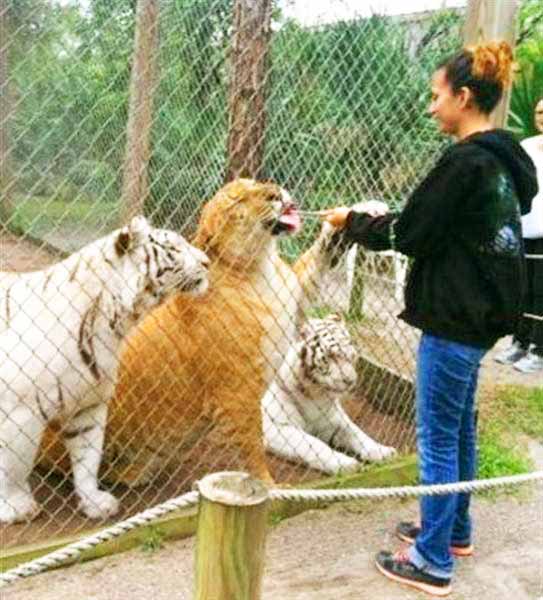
(132, 235)
(306, 332)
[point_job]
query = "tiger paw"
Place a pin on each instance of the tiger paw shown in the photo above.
(98, 504)
(343, 465)
(380, 453)
(18, 508)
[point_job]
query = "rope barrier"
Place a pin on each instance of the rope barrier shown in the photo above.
(405, 491)
(73, 551)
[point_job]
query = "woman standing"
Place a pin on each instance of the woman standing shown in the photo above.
(462, 226)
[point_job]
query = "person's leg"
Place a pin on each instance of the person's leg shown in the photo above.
(532, 326)
(445, 376)
(467, 469)
(522, 336)
(536, 269)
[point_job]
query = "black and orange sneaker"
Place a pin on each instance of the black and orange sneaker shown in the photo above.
(399, 568)
(408, 531)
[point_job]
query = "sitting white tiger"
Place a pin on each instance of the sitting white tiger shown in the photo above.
(59, 343)
(302, 413)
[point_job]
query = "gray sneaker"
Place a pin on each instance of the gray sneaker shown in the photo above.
(511, 355)
(530, 363)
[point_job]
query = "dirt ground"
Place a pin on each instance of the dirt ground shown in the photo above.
(328, 555)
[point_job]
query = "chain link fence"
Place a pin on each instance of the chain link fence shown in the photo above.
(345, 122)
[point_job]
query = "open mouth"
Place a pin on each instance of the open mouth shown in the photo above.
(289, 221)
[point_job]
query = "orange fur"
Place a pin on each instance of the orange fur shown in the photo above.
(194, 364)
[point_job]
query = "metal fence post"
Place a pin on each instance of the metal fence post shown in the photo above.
(230, 540)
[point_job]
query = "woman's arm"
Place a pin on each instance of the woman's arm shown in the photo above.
(428, 220)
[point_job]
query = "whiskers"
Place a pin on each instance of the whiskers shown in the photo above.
(314, 213)
(266, 215)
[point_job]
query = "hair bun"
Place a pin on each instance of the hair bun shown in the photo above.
(494, 61)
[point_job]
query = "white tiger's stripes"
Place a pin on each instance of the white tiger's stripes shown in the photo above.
(303, 419)
(86, 337)
(7, 305)
(60, 397)
(60, 332)
(41, 409)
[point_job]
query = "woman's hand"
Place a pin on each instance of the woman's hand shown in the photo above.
(338, 216)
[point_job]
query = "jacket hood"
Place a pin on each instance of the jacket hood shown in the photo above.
(512, 155)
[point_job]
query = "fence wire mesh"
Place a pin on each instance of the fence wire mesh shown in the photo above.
(345, 106)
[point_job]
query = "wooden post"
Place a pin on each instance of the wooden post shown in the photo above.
(140, 115)
(247, 115)
(493, 20)
(230, 541)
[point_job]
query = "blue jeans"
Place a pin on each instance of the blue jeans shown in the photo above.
(446, 442)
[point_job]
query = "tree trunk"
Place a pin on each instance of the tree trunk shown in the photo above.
(247, 120)
(143, 83)
(491, 20)
(6, 114)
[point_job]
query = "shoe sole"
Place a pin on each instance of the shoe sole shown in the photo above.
(432, 590)
(455, 550)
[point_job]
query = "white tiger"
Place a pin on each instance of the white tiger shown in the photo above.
(301, 410)
(59, 344)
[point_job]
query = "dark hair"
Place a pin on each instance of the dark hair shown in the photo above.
(484, 69)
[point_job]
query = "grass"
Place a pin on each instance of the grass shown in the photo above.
(509, 417)
(153, 540)
(498, 458)
(37, 215)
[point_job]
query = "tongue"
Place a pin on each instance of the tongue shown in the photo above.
(291, 218)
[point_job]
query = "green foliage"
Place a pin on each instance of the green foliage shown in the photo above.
(498, 458)
(153, 540)
(513, 411)
(521, 409)
(276, 518)
(319, 312)
(345, 111)
(66, 209)
(528, 85)
(530, 24)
